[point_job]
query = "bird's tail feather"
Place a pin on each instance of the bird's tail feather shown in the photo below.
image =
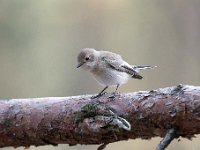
(143, 67)
(137, 76)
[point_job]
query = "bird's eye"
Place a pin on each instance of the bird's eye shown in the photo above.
(87, 58)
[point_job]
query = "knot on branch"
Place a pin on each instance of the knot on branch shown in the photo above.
(89, 119)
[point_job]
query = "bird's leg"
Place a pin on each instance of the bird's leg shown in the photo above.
(115, 92)
(100, 93)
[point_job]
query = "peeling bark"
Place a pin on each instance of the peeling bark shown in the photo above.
(81, 120)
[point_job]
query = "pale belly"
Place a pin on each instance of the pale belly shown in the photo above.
(109, 78)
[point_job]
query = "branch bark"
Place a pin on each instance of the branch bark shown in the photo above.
(82, 120)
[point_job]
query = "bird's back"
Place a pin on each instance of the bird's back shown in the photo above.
(111, 56)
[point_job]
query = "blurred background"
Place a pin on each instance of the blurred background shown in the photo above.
(40, 40)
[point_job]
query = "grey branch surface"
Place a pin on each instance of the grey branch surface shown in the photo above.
(82, 120)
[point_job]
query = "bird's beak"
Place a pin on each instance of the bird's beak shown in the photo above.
(79, 65)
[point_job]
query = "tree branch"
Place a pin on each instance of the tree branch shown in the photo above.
(82, 120)
(171, 134)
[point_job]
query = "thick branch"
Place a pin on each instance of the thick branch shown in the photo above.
(81, 120)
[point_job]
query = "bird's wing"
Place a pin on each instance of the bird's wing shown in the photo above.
(118, 64)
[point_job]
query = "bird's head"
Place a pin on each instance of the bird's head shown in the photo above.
(87, 58)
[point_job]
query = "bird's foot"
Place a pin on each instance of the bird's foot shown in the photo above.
(98, 95)
(113, 95)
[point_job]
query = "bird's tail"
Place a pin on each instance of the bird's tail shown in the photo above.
(143, 67)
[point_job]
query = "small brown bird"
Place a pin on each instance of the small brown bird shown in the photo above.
(108, 68)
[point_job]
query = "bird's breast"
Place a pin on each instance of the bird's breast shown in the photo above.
(108, 77)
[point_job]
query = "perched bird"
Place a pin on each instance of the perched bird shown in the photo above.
(108, 68)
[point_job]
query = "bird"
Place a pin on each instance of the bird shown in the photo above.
(108, 68)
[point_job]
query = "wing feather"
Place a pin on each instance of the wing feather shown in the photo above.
(117, 63)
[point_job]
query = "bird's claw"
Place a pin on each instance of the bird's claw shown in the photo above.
(114, 94)
(98, 95)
